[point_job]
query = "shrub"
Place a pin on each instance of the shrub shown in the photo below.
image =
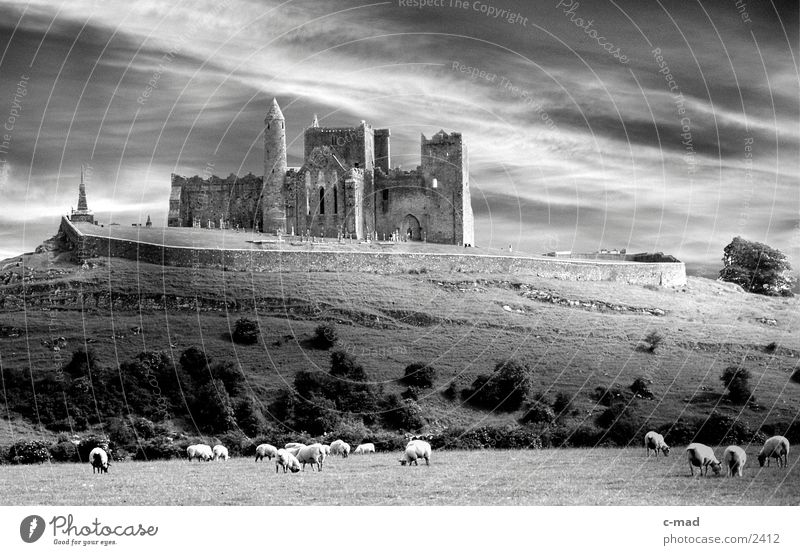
(351, 430)
(562, 405)
(641, 388)
(621, 424)
(64, 451)
(719, 428)
(537, 412)
(246, 331)
(650, 342)
(770, 348)
(608, 395)
(402, 414)
(29, 452)
(249, 416)
(487, 437)
(411, 393)
(325, 336)
(451, 393)
(160, 447)
(90, 442)
(504, 390)
(344, 365)
(737, 382)
(796, 376)
(419, 375)
(788, 429)
(213, 409)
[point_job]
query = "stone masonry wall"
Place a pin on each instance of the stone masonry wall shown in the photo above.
(667, 274)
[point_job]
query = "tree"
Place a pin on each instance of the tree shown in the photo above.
(737, 381)
(246, 331)
(757, 268)
(504, 390)
(325, 336)
(419, 374)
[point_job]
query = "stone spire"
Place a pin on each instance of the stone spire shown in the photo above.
(82, 214)
(82, 206)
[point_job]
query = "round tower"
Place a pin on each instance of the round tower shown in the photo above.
(274, 170)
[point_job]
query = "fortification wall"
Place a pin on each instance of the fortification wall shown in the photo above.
(668, 274)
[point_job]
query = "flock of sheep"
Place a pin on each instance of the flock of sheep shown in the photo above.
(702, 456)
(295, 456)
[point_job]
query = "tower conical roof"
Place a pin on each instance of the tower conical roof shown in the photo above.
(274, 111)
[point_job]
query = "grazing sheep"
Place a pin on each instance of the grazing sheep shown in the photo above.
(702, 456)
(364, 448)
(99, 460)
(284, 459)
(416, 449)
(327, 450)
(776, 447)
(201, 451)
(735, 459)
(340, 447)
(220, 452)
(293, 445)
(266, 450)
(311, 454)
(655, 441)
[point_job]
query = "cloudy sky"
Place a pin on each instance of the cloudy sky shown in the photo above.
(658, 125)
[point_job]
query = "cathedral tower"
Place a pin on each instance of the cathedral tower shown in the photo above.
(274, 170)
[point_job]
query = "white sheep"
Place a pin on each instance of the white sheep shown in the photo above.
(99, 459)
(265, 450)
(340, 447)
(284, 459)
(364, 448)
(735, 459)
(702, 456)
(776, 447)
(200, 451)
(220, 452)
(655, 441)
(327, 450)
(293, 445)
(416, 449)
(311, 454)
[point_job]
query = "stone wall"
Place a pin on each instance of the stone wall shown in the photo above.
(237, 200)
(668, 274)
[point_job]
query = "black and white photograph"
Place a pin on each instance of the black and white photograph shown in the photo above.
(288, 260)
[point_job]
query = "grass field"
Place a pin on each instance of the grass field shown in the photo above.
(543, 477)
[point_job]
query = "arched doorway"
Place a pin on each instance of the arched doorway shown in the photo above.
(410, 228)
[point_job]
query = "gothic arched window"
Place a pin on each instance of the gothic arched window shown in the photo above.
(322, 200)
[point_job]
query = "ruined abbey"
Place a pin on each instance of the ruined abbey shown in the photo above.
(346, 187)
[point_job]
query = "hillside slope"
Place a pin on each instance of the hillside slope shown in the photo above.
(575, 336)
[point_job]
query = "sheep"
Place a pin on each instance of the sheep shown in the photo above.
(702, 456)
(364, 448)
(655, 441)
(266, 450)
(311, 454)
(340, 447)
(200, 451)
(99, 459)
(284, 459)
(293, 445)
(735, 459)
(220, 452)
(416, 449)
(327, 450)
(295, 450)
(776, 447)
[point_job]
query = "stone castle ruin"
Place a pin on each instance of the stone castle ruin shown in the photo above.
(346, 187)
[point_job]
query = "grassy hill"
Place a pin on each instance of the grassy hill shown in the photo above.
(575, 336)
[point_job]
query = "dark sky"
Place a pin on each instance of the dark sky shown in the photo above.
(576, 140)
